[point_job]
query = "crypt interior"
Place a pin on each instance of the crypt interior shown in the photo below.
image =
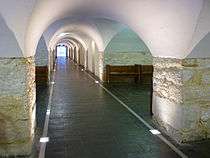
(105, 79)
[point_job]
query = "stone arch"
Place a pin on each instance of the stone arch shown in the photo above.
(153, 22)
(74, 28)
(76, 47)
(68, 35)
(127, 48)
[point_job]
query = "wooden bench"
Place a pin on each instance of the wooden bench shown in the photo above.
(128, 71)
(140, 73)
(41, 75)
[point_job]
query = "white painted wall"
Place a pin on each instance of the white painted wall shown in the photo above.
(200, 41)
(15, 16)
(202, 49)
(126, 41)
(9, 46)
(108, 29)
(41, 56)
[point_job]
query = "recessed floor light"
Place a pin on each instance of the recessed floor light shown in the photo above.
(155, 132)
(44, 139)
(96, 82)
(52, 82)
(48, 112)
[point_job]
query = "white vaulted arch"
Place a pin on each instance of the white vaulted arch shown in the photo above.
(67, 36)
(166, 27)
(169, 28)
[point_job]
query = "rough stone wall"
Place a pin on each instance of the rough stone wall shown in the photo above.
(181, 97)
(17, 105)
(128, 58)
(99, 67)
(196, 96)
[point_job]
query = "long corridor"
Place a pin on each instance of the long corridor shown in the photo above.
(87, 122)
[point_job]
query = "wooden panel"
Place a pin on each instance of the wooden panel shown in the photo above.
(122, 73)
(140, 73)
(122, 69)
(147, 74)
(147, 69)
(41, 75)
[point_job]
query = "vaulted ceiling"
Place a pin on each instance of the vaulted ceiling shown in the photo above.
(169, 28)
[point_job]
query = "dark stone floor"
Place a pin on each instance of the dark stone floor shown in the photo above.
(137, 97)
(41, 108)
(86, 122)
(42, 97)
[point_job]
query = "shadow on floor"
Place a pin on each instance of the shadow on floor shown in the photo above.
(86, 122)
(42, 97)
(137, 97)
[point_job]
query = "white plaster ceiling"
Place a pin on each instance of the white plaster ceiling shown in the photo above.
(70, 37)
(81, 30)
(70, 42)
(99, 30)
(169, 28)
(200, 45)
(15, 15)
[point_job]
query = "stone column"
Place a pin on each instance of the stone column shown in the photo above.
(51, 63)
(181, 98)
(101, 65)
(17, 106)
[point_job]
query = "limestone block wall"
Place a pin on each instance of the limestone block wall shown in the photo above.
(181, 97)
(17, 105)
(99, 64)
(196, 94)
(128, 58)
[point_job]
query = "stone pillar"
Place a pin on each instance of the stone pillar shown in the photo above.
(51, 62)
(181, 98)
(101, 65)
(17, 106)
(78, 55)
(71, 53)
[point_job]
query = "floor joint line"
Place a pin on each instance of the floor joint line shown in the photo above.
(160, 136)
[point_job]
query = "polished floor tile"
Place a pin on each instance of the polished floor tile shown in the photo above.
(86, 122)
